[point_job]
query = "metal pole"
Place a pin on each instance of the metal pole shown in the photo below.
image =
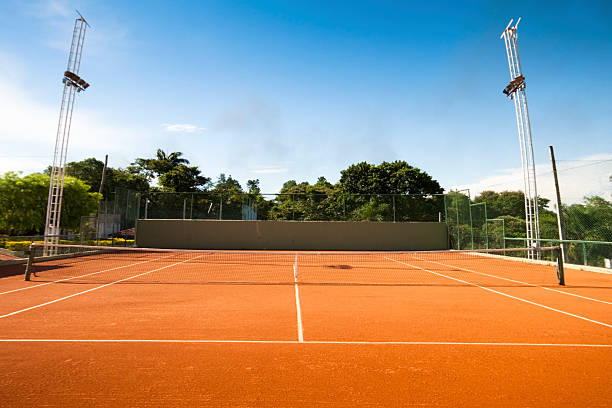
(191, 208)
(504, 234)
(457, 210)
(184, 207)
(486, 227)
(393, 197)
(103, 174)
(471, 227)
(559, 207)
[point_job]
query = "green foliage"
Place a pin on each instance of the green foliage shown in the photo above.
(172, 172)
(182, 178)
(319, 202)
(90, 172)
(161, 164)
(589, 221)
(23, 203)
(387, 178)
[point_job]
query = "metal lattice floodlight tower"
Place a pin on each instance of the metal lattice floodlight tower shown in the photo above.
(72, 84)
(516, 91)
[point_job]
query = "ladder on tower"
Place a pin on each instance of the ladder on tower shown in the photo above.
(516, 91)
(72, 84)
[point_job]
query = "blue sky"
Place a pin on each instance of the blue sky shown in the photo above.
(281, 90)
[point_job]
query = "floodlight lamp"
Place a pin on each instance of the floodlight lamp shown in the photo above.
(514, 85)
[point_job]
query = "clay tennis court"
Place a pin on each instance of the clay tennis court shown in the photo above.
(239, 329)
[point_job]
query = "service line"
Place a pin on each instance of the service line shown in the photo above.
(329, 342)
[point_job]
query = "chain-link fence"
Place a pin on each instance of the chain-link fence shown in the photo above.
(115, 219)
(294, 207)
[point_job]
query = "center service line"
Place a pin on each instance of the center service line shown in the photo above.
(297, 302)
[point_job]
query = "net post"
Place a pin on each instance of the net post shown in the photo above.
(560, 271)
(28, 270)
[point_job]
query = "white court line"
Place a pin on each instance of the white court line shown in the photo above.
(297, 301)
(505, 294)
(82, 276)
(331, 342)
(521, 282)
(96, 288)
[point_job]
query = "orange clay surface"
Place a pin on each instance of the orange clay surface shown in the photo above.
(420, 339)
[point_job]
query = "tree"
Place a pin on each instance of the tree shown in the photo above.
(228, 194)
(182, 178)
(90, 172)
(371, 186)
(23, 203)
(589, 221)
(397, 177)
(253, 186)
(508, 203)
(319, 202)
(161, 164)
(172, 172)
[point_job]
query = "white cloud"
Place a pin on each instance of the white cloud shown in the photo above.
(28, 131)
(181, 127)
(25, 165)
(270, 170)
(584, 176)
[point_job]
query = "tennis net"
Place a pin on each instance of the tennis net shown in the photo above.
(95, 264)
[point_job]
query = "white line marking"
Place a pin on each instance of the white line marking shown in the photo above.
(297, 301)
(96, 288)
(521, 282)
(505, 294)
(331, 342)
(82, 276)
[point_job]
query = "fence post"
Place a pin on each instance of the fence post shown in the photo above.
(471, 227)
(191, 208)
(584, 254)
(486, 227)
(393, 197)
(457, 210)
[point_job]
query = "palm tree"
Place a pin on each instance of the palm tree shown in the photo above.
(173, 159)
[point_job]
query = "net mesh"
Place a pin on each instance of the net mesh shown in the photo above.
(92, 264)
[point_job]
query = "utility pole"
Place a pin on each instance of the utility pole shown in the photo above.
(515, 90)
(100, 192)
(73, 83)
(103, 174)
(559, 208)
